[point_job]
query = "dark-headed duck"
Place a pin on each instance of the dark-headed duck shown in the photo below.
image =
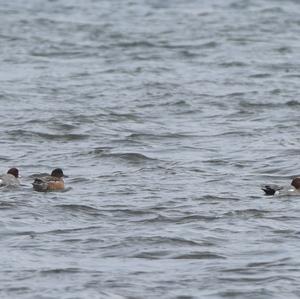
(293, 189)
(53, 182)
(10, 178)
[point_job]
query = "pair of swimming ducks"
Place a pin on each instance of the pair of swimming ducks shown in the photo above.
(51, 182)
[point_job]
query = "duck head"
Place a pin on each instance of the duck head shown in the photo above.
(57, 172)
(14, 172)
(296, 183)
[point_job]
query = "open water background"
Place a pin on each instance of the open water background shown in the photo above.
(167, 116)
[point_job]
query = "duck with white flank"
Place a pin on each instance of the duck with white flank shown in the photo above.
(293, 189)
(11, 178)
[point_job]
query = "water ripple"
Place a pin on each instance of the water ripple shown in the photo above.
(167, 117)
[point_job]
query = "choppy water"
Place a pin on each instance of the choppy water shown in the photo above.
(166, 116)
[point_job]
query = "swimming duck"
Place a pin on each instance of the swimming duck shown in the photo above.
(293, 189)
(51, 182)
(10, 178)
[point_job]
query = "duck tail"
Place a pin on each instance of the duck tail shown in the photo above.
(270, 189)
(39, 185)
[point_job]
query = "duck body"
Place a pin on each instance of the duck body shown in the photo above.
(53, 182)
(293, 189)
(10, 178)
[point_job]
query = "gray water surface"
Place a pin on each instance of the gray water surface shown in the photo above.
(167, 116)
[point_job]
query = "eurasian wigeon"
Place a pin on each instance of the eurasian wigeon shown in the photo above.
(10, 178)
(51, 182)
(293, 189)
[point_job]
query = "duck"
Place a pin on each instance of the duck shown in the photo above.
(53, 182)
(11, 178)
(292, 189)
